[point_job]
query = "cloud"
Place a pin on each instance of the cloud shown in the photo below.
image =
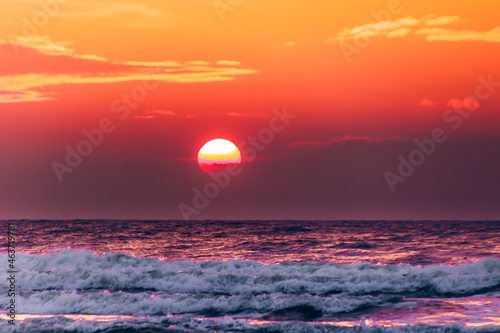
(398, 33)
(248, 115)
(433, 20)
(59, 64)
(23, 96)
(29, 81)
(165, 64)
(344, 139)
(145, 117)
(440, 34)
(45, 45)
(289, 44)
(427, 27)
(374, 29)
(467, 103)
(162, 112)
(428, 103)
(152, 114)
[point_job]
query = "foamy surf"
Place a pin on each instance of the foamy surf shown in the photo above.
(83, 270)
(83, 292)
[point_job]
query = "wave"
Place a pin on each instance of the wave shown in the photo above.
(86, 271)
(231, 296)
(226, 324)
(140, 304)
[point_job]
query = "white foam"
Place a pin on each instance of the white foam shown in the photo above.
(139, 304)
(83, 270)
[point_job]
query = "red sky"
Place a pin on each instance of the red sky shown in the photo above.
(363, 79)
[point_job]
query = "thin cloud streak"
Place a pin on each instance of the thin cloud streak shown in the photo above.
(111, 71)
(344, 139)
(427, 27)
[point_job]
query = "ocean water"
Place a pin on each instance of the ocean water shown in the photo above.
(254, 276)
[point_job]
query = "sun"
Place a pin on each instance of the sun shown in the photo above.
(216, 153)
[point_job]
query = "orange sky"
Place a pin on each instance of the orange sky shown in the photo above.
(379, 70)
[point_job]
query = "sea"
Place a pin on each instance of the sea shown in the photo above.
(251, 276)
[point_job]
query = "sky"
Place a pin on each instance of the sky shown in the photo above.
(361, 109)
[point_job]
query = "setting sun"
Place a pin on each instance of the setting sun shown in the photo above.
(218, 152)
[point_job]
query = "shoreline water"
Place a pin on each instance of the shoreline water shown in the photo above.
(234, 276)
